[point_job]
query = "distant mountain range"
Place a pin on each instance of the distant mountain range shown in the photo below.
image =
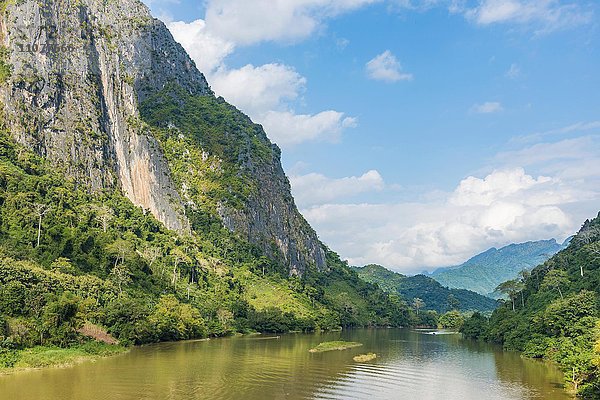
(484, 272)
(435, 296)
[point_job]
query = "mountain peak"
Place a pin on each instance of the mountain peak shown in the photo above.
(483, 272)
(82, 71)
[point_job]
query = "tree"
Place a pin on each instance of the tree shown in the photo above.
(453, 303)
(40, 210)
(178, 256)
(524, 276)
(225, 318)
(418, 304)
(60, 319)
(121, 276)
(120, 249)
(175, 321)
(151, 254)
(475, 327)
(104, 215)
(451, 320)
(510, 288)
(555, 279)
(588, 235)
(594, 250)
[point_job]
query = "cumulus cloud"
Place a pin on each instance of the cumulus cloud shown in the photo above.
(311, 189)
(258, 90)
(488, 107)
(267, 92)
(288, 129)
(248, 22)
(540, 191)
(473, 191)
(386, 67)
(207, 50)
(503, 207)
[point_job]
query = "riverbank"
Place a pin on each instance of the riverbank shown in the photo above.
(12, 361)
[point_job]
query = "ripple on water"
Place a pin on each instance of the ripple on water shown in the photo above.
(407, 367)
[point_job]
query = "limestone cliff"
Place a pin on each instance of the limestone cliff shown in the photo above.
(80, 69)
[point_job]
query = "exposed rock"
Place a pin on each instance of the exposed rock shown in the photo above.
(271, 218)
(80, 70)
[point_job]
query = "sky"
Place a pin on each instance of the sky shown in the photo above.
(415, 133)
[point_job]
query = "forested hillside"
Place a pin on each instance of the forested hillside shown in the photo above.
(135, 206)
(484, 272)
(434, 296)
(69, 258)
(553, 313)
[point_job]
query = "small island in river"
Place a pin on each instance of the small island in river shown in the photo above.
(335, 345)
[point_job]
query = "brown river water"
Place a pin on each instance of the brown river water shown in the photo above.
(409, 365)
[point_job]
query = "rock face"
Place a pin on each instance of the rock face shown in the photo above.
(80, 70)
(272, 220)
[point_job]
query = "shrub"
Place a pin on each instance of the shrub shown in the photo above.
(172, 320)
(451, 320)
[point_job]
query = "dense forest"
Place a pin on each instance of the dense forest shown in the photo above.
(553, 313)
(73, 262)
(433, 295)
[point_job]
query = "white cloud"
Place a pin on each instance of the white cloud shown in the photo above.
(500, 184)
(207, 50)
(567, 130)
(288, 129)
(258, 90)
(311, 189)
(488, 107)
(513, 72)
(541, 191)
(386, 67)
(546, 15)
(480, 213)
(247, 22)
(266, 93)
(570, 159)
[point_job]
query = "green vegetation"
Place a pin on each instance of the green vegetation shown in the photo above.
(45, 356)
(553, 313)
(210, 145)
(335, 345)
(424, 292)
(451, 320)
(365, 357)
(5, 67)
(484, 272)
(70, 258)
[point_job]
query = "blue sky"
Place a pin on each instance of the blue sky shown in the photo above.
(415, 133)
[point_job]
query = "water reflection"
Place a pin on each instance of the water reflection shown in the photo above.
(409, 365)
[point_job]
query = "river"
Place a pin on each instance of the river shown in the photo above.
(409, 365)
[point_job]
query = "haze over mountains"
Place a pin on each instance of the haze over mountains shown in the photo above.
(484, 272)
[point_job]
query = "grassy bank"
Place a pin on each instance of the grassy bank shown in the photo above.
(43, 356)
